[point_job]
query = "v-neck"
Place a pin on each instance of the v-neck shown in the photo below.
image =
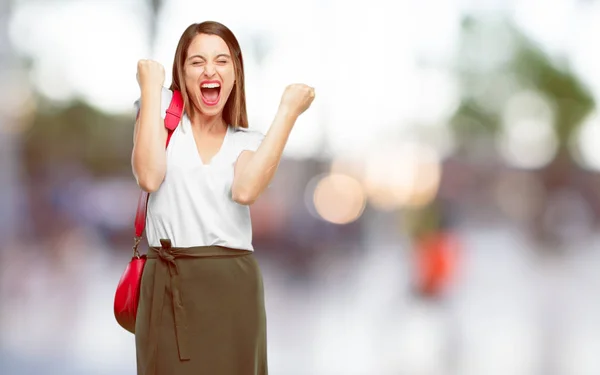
(212, 159)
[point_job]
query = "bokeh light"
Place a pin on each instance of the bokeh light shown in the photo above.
(527, 138)
(407, 175)
(338, 198)
(585, 144)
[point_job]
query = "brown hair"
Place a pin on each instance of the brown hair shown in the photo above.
(234, 112)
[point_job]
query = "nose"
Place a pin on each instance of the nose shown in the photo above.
(209, 70)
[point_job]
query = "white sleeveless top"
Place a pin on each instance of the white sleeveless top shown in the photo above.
(193, 206)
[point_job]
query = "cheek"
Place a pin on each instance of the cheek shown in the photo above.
(228, 76)
(192, 76)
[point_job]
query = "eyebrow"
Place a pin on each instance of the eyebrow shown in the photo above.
(203, 58)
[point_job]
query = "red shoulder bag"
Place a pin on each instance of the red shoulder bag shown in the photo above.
(128, 290)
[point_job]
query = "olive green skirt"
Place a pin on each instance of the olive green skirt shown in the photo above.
(201, 312)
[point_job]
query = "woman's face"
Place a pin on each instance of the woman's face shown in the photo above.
(209, 73)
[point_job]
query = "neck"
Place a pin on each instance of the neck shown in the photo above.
(208, 124)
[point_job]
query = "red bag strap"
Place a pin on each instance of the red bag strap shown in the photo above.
(172, 119)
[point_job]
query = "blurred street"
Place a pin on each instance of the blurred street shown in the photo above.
(436, 212)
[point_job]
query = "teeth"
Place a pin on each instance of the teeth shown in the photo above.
(210, 85)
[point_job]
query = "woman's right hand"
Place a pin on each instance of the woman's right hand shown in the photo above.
(150, 73)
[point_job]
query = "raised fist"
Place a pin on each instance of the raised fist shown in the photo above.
(297, 98)
(150, 74)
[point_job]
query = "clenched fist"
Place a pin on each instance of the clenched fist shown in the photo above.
(297, 98)
(150, 74)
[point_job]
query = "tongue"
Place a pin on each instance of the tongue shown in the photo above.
(211, 95)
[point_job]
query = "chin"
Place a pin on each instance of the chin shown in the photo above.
(211, 111)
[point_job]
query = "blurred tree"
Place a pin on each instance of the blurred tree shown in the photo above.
(571, 98)
(495, 60)
(155, 8)
(64, 141)
(11, 179)
(494, 53)
(77, 133)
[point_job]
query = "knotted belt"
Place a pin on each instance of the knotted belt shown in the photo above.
(166, 266)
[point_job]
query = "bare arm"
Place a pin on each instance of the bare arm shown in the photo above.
(255, 170)
(148, 159)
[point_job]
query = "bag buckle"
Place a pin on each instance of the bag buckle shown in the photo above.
(137, 241)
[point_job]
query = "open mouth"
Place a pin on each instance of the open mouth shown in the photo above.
(211, 92)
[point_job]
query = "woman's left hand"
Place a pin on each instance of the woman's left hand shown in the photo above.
(297, 98)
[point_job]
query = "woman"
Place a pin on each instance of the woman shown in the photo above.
(201, 305)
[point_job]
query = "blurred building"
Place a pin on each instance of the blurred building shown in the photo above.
(11, 105)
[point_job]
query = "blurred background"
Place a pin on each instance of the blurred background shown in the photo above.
(436, 212)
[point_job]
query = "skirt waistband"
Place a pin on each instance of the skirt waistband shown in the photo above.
(168, 253)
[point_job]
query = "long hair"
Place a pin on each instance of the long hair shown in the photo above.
(234, 112)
